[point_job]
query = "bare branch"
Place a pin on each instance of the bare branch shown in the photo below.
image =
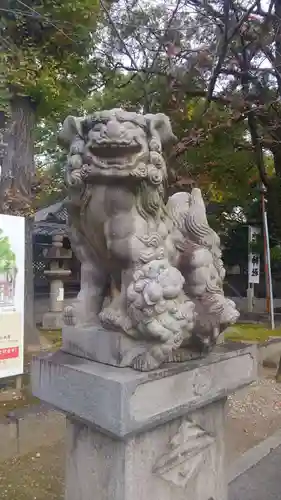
(226, 40)
(252, 122)
(206, 7)
(165, 32)
(272, 59)
(134, 64)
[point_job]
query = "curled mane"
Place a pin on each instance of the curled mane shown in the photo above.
(150, 200)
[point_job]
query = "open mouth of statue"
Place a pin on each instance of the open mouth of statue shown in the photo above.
(115, 151)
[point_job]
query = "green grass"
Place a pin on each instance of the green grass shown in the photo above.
(53, 337)
(251, 333)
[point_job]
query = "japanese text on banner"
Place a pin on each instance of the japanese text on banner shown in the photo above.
(254, 258)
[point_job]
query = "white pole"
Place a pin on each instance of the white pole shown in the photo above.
(268, 262)
(250, 297)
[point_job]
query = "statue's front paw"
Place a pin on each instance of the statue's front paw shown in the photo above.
(69, 318)
(145, 362)
(113, 319)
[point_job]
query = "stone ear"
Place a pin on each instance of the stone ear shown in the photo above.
(160, 125)
(71, 128)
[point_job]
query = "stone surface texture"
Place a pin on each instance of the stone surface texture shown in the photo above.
(179, 460)
(154, 432)
(154, 435)
(111, 347)
(163, 261)
(121, 402)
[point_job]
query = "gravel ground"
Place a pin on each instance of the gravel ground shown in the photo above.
(254, 413)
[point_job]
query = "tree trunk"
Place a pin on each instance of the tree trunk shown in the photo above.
(3, 138)
(277, 39)
(277, 159)
(15, 193)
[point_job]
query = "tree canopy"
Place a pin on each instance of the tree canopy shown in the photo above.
(212, 66)
(46, 51)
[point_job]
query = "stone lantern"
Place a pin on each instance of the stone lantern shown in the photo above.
(57, 272)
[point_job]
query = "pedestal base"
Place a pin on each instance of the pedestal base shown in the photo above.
(180, 460)
(102, 345)
(110, 347)
(52, 320)
(144, 436)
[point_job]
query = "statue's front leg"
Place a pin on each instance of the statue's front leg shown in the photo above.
(91, 295)
(88, 304)
(115, 316)
(119, 241)
(94, 279)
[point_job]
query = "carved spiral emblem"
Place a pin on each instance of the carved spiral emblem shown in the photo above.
(155, 176)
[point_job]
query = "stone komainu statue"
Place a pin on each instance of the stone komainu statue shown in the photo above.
(165, 260)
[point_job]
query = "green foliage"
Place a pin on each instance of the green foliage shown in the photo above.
(235, 237)
(235, 242)
(273, 207)
(276, 254)
(47, 51)
(50, 161)
(218, 158)
(7, 256)
(57, 65)
(4, 93)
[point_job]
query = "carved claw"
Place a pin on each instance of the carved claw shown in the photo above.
(145, 362)
(114, 319)
(69, 316)
(181, 355)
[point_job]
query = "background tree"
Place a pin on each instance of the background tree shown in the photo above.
(46, 60)
(209, 66)
(223, 56)
(45, 63)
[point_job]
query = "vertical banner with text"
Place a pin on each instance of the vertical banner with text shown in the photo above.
(254, 258)
(12, 262)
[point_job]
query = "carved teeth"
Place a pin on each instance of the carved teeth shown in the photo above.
(111, 151)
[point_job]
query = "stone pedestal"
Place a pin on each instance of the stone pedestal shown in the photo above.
(144, 436)
(111, 347)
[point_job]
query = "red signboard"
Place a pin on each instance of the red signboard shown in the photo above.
(9, 353)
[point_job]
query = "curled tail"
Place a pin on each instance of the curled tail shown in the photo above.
(200, 262)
